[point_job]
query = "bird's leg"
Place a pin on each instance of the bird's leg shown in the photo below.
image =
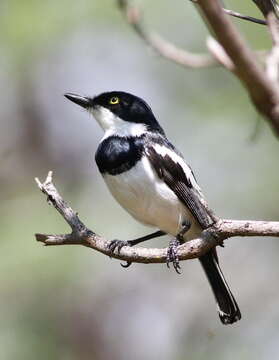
(172, 256)
(118, 244)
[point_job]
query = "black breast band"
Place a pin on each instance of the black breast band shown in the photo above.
(116, 154)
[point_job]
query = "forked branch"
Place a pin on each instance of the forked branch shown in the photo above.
(81, 235)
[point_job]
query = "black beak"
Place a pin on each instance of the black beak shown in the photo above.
(80, 100)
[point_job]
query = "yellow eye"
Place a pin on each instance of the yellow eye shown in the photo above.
(114, 100)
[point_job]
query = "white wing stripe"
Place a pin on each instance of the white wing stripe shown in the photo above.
(163, 151)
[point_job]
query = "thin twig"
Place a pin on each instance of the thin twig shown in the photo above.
(240, 16)
(81, 235)
(244, 17)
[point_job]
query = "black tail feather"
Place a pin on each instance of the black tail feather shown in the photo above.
(227, 306)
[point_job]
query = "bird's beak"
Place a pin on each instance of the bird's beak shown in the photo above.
(80, 100)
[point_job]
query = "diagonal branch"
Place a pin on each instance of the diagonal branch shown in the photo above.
(81, 235)
(263, 92)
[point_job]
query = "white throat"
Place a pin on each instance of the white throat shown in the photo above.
(113, 125)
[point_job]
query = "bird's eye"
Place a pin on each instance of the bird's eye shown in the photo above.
(114, 100)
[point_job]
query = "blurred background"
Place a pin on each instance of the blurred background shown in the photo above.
(70, 302)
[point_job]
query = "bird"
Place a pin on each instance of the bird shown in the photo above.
(151, 180)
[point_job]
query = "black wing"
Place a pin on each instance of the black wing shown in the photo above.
(172, 173)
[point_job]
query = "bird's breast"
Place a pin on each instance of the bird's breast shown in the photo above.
(147, 198)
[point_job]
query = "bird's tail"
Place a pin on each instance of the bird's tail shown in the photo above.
(227, 306)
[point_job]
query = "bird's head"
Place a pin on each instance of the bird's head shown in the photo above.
(119, 113)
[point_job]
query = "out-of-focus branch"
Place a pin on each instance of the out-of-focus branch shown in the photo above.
(263, 92)
(163, 47)
(219, 53)
(81, 235)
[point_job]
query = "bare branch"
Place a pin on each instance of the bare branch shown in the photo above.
(163, 47)
(263, 92)
(81, 235)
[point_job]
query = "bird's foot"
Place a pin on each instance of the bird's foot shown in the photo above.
(172, 255)
(118, 245)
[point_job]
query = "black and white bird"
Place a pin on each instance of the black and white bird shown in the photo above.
(150, 179)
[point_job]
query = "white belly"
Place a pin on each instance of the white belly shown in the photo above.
(149, 200)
